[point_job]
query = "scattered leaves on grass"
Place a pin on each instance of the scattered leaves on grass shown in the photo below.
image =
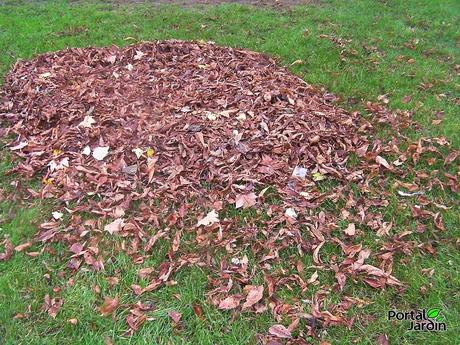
(199, 128)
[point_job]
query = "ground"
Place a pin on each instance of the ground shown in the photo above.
(359, 50)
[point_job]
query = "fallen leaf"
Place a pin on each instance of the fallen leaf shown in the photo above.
(290, 212)
(23, 246)
(57, 215)
(8, 251)
(115, 226)
(382, 161)
(255, 294)
(99, 153)
(350, 230)
(19, 146)
(87, 122)
(231, 302)
(175, 316)
(109, 306)
(280, 331)
(52, 305)
(318, 176)
(211, 218)
(245, 200)
(198, 311)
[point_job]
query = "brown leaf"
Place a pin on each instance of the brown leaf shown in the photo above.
(451, 157)
(231, 302)
(384, 229)
(52, 305)
(23, 246)
(280, 331)
(145, 272)
(198, 311)
(245, 200)
(255, 294)
(109, 306)
(8, 250)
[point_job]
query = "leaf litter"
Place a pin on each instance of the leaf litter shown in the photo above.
(189, 129)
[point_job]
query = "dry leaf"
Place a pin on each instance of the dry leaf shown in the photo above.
(350, 230)
(115, 227)
(382, 161)
(280, 331)
(99, 153)
(231, 302)
(87, 122)
(255, 294)
(211, 218)
(109, 306)
(245, 200)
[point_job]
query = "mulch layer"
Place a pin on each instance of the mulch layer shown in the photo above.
(162, 141)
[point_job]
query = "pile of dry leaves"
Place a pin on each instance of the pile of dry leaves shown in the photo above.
(160, 140)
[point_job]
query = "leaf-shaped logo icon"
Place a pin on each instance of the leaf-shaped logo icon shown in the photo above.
(433, 313)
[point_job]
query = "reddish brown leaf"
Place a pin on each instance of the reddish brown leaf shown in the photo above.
(109, 306)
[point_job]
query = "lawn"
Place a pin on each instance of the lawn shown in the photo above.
(403, 53)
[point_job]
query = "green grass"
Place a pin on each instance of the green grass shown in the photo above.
(361, 65)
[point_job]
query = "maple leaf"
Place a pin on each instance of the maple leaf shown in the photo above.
(211, 218)
(245, 200)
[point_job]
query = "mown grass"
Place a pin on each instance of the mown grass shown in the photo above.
(364, 62)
